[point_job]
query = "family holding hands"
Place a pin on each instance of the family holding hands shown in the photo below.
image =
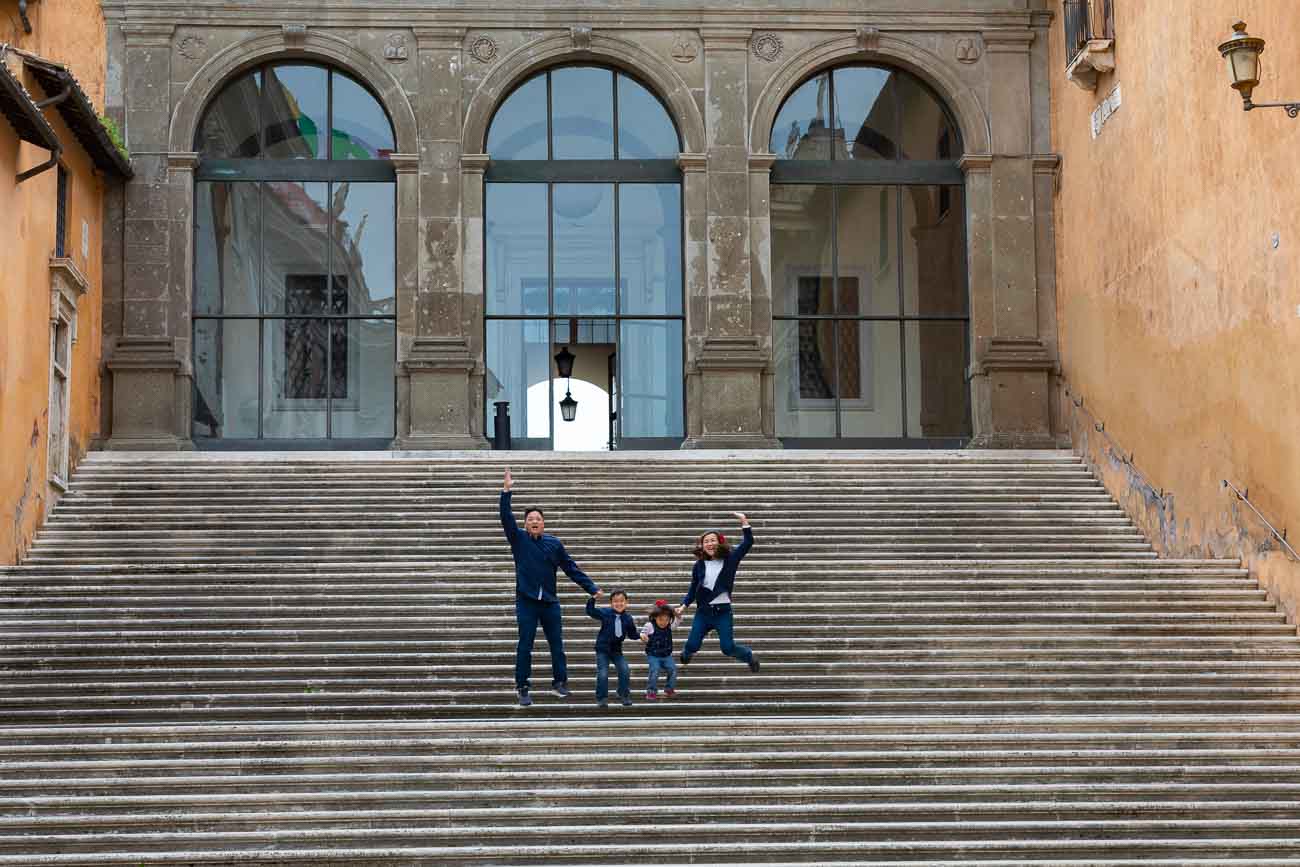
(537, 555)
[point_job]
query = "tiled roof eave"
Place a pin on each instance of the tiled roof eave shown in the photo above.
(79, 114)
(18, 107)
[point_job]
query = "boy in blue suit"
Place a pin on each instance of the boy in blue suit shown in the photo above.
(616, 626)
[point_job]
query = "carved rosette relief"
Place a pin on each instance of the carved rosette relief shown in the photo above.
(767, 46)
(483, 49)
(192, 47)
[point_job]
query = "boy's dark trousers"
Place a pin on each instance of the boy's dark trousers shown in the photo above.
(603, 662)
(529, 613)
(707, 619)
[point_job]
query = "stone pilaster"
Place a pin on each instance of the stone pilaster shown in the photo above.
(436, 400)
(727, 383)
(149, 358)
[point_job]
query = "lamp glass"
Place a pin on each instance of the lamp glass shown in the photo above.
(568, 406)
(1244, 64)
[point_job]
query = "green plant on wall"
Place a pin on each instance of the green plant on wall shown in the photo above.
(114, 135)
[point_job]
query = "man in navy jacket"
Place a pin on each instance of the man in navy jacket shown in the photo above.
(537, 555)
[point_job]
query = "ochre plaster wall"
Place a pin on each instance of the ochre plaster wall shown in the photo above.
(1178, 243)
(69, 32)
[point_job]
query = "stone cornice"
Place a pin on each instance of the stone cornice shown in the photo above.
(976, 164)
(405, 164)
(439, 38)
(1008, 41)
(761, 163)
(474, 163)
(146, 34)
(726, 38)
(693, 162)
(183, 161)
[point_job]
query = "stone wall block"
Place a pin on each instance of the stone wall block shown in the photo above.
(145, 317)
(147, 282)
(728, 193)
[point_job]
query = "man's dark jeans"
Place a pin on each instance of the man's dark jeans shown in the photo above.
(529, 613)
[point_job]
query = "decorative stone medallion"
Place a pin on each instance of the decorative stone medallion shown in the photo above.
(685, 50)
(395, 48)
(767, 46)
(968, 50)
(483, 49)
(191, 47)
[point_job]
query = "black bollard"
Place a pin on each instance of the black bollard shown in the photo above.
(501, 426)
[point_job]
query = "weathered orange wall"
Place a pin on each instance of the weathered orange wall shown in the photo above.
(70, 32)
(1179, 315)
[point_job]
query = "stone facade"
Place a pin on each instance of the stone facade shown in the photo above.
(441, 70)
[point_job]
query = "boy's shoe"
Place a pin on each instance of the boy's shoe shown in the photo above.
(602, 703)
(669, 693)
(627, 700)
(524, 698)
(651, 696)
(560, 689)
(753, 663)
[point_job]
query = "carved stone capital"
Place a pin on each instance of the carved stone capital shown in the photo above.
(1012, 353)
(761, 163)
(474, 164)
(972, 164)
(405, 164)
(693, 162)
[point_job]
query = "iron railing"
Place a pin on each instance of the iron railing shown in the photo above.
(1084, 20)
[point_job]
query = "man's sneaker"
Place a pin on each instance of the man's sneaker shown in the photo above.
(753, 663)
(651, 696)
(669, 693)
(560, 689)
(627, 700)
(524, 698)
(602, 703)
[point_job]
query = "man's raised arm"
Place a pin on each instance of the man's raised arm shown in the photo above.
(507, 514)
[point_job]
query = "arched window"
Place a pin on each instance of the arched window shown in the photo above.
(294, 260)
(868, 263)
(583, 249)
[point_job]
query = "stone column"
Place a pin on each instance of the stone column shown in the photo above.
(1012, 365)
(148, 361)
(437, 409)
(727, 392)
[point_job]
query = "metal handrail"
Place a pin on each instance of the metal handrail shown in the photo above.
(1100, 426)
(1281, 536)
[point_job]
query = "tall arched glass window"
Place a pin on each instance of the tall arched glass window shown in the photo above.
(869, 263)
(583, 250)
(294, 260)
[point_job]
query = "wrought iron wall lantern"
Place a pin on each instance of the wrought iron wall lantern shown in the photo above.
(564, 367)
(1242, 52)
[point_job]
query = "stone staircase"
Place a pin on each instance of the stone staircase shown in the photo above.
(307, 659)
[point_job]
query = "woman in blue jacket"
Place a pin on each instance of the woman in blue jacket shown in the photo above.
(712, 580)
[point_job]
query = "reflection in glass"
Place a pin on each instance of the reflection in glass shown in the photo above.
(934, 251)
(518, 130)
(225, 378)
(650, 248)
(866, 113)
(294, 112)
(650, 388)
(801, 249)
(938, 399)
(926, 133)
(805, 378)
(801, 128)
(645, 131)
(364, 247)
(584, 248)
(227, 247)
(518, 356)
(361, 130)
(295, 253)
(364, 390)
(582, 107)
(295, 378)
(866, 234)
(870, 367)
(515, 254)
(230, 125)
